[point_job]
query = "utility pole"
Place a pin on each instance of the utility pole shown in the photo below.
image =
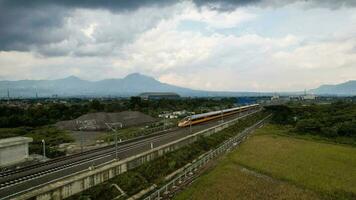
(81, 136)
(222, 116)
(44, 148)
(8, 96)
(81, 140)
(164, 122)
(112, 127)
(190, 125)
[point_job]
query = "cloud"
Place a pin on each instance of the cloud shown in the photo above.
(225, 5)
(266, 45)
(216, 19)
(21, 27)
(191, 59)
(163, 48)
(230, 5)
(43, 26)
(66, 31)
(113, 5)
(248, 61)
(25, 65)
(323, 55)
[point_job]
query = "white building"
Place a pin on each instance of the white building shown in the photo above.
(309, 97)
(274, 98)
(14, 150)
(175, 114)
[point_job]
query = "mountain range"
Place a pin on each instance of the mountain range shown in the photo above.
(343, 89)
(131, 85)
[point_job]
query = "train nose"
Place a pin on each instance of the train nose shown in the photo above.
(183, 124)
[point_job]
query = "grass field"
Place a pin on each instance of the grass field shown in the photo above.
(293, 169)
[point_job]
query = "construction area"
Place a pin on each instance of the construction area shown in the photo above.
(91, 131)
(97, 120)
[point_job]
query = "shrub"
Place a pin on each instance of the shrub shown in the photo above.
(347, 129)
(329, 131)
(308, 125)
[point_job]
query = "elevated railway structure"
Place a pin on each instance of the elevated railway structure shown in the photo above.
(23, 180)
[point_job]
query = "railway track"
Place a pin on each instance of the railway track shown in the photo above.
(20, 175)
(56, 160)
(77, 155)
(20, 180)
(112, 152)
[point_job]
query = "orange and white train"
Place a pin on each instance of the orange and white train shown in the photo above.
(204, 117)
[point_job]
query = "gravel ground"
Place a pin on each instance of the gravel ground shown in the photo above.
(96, 121)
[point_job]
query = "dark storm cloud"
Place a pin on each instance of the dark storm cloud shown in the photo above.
(224, 5)
(24, 23)
(28, 24)
(115, 5)
(22, 27)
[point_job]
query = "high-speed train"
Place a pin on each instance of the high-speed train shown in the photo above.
(200, 118)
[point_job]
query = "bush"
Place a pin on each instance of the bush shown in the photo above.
(329, 131)
(347, 129)
(308, 125)
(334, 122)
(282, 114)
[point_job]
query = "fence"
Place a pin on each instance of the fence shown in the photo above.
(232, 142)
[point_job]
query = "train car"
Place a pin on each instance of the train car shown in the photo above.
(200, 118)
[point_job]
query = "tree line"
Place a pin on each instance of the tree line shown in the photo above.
(50, 113)
(337, 119)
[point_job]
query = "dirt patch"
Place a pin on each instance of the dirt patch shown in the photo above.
(89, 137)
(96, 121)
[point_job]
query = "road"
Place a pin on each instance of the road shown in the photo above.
(20, 181)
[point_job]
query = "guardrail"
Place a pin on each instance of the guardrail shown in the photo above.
(227, 145)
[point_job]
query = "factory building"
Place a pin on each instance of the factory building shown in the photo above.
(14, 150)
(159, 95)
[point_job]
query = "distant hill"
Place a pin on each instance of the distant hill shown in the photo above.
(132, 85)
(344, 89)
(72, 86)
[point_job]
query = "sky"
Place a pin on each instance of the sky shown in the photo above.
(221, 45)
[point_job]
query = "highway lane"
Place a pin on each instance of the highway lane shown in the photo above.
(58, 170)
